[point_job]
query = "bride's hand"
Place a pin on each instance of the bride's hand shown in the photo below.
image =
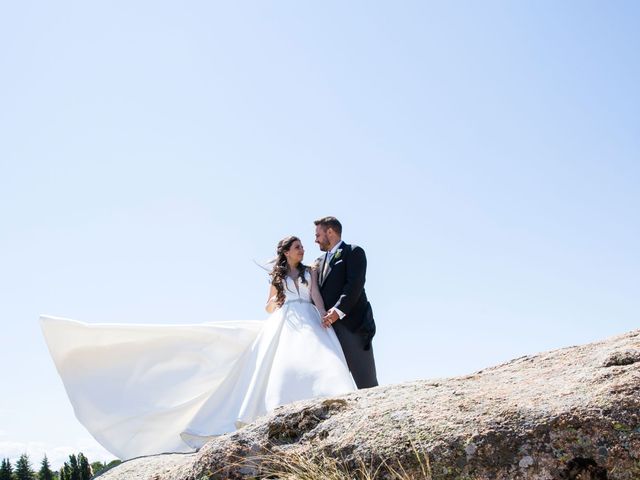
(273, 304)
(323, 312)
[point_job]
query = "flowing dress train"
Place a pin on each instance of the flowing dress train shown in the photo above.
(149, 389)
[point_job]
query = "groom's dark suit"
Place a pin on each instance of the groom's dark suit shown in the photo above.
(342, 287)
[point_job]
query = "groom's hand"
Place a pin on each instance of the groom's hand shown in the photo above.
(330, 317)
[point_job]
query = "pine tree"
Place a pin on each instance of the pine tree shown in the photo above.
(74, 468)
(6, 472)
(66, 471)
(84, 468)
(23, 468)
(63, 474)
(45, 472)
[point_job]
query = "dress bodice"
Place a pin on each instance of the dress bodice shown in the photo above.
(303, 290)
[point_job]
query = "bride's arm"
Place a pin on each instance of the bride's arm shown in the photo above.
(315, 293)
(272, 303)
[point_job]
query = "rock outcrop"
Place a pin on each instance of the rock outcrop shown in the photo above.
(568, 414)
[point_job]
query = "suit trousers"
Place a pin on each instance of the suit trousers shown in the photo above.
(360, 361)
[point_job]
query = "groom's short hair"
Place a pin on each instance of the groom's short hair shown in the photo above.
(329, 222)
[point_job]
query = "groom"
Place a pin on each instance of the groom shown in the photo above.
(341, 273)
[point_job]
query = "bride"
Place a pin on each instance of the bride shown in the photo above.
(149, 389)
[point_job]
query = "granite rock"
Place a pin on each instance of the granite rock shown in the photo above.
(572, 413)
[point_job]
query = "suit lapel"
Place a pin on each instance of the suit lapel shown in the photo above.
(337, 256)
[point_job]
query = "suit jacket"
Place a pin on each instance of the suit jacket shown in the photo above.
(343, 288)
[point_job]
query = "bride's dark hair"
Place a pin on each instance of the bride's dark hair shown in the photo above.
(281, 268)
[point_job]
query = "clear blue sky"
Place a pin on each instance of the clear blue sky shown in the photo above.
(485, 155)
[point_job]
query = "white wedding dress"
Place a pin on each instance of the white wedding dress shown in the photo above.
(149, 389)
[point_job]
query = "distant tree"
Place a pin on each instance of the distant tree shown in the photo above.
(113, 463)
(84, 468)
(45, 472)
(23, 468)
(6, 472)
(66, 471)
(97, 467)
(74, 468)
(63, 474)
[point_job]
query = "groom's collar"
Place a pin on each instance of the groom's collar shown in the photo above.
(336, 247)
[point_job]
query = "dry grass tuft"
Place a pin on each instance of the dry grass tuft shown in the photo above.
(299, 466)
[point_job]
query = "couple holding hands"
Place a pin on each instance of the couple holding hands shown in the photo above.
(149, 389)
